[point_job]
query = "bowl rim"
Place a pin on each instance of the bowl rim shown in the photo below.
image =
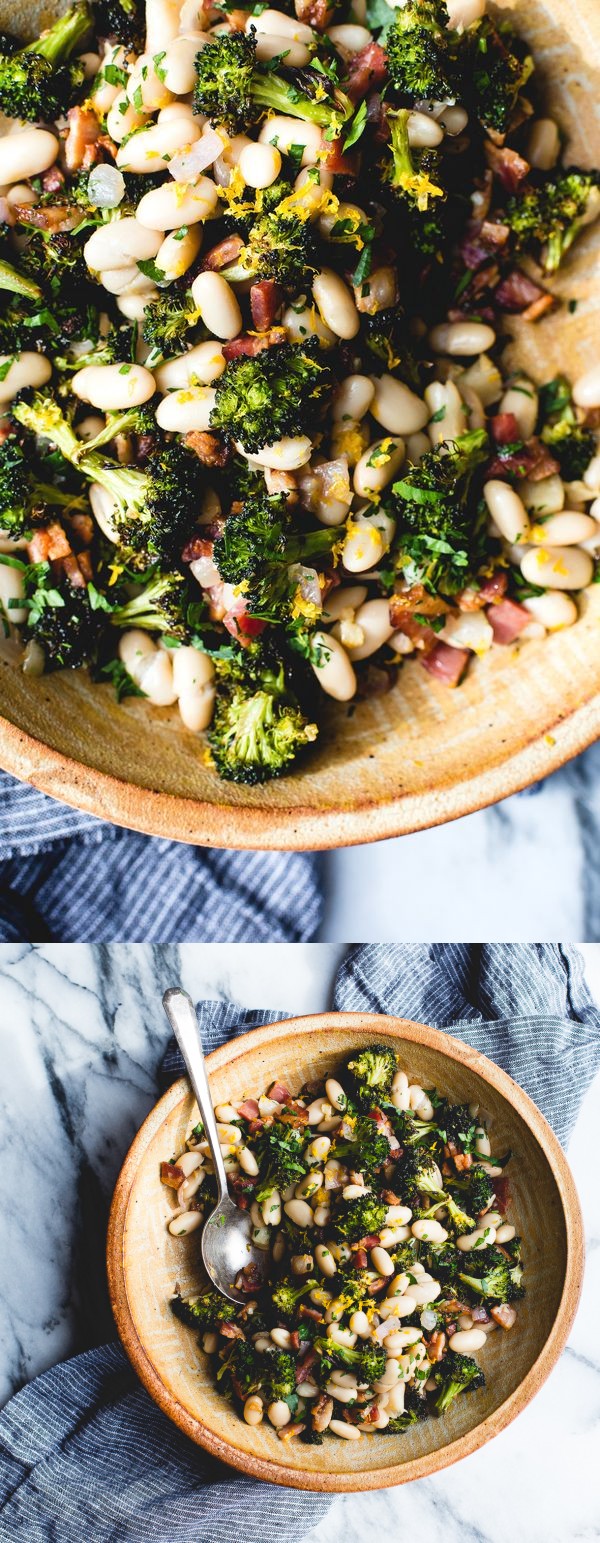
(292, 828)
(401, 1029)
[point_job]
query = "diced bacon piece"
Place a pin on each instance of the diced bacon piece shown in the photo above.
(171, 1175)
(463, 1161)
(248, 344)
(220, 256)
(507, 619)
(317, 14)
(507, 165)
(208, 447)
(367, 71)
(249, 1109)
(197, 546)
(505, 428)
(279, 1093)
(504, 1314)
(447, 664)
(266, 297)
(322, 1410)
(472, 599)
(340, 163)
(370, 1240)
(501, 1187)
(47, 217)
(414, 599)
(532, 460)
(81, 138)
(518, 293)
(479, 1314)
(309, 1312)
(231, 1331)
(360, 1259)
(436, 1347)
(482, 239)
(52, 180)
(287, 1432)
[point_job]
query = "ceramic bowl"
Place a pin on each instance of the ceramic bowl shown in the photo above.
(145, 1261)
(420, 755)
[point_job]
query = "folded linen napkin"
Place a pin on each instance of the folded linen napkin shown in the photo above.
(84, 1451)
(67, 876)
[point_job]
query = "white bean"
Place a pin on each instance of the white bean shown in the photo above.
(521, 399)
(191, 670)
(559, 567)
(429, 1231)
(271, 1209)
(111, 387)
(174, 204)
(335, 1094)
(479, 1238)
(568, 528)
(247, 1161)
(381, 1261)
(505, 1233)
(315, 1113)
(217, 304)
(448, 412)
(285, 132)
(424, 131)
(378, 291)
(299, 1212)
(586, 389)
(123, 118)
(360, 1325)
(462, 338)
(467, 1340)
(278, 24)
(396, 407)
(279, 1413)
(482, 1143)
(343, 1337)
(302, 322)
(348, 39)
(145, 89)
(554, 610)
(199, 367)
(287, 454)
(373, 620)
(353, 398)
(424, 1292)
(471, 629)
(12, 588)
(27, 369)
(544, 497)
(135, 647)
(377, 466)
(183, 1225)
(210, 1343)
(400, 1093)
(117, 280)
(319, 1148)
(120, 243)
(462, 13)
(253, 1409)
(395, 1399)
(178, 251)
(335, 304)
(27, 153)
(183, 411)
(260, 165)
(507, 510)
(178, 67)
(348, 1432)
(325, 1260)
(334, 671)
(483, 376)
(543, 144)
(454, 119)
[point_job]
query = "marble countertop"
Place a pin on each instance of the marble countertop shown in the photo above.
(82, 1032)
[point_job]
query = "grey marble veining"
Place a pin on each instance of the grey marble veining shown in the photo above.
(81, 1033)
(525, 868)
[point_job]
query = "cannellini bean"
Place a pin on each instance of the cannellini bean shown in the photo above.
(335, 1094)
(315, 1113)
(482, 1142)
(505, 1233)
(424, 1292)
(348, 39)
(381, 1261)
(521, 399)
(260, 165)
(309, 1184)
(377, 466)
(429, 1231)
(565, 529)
(469, 630)
(591, 475)
(287, 454)
(360, 1325)
(162, 24)
(378, 291)
(554, 610)
(120, 243)
(559, 567)
(247, 1161)
(174, 204)
(586, 389)
(123, 118)
(181, 1226)
(389, 1377)
(477, 1239)
(462, 12)
(151, 148)
(334, 671)
(133, 305)
(271, 1209)
(398, 1339)
(271, 47)
(454, 119)
(27, 369)
(112, 387)
(467, 1340)
(348, 1432)
(326, 1261)
(253, 1409)
(178, 67)
(328, 221)
(335, 304)
(178, 251)
(343, 1337)
(278, 24)
(460, 338)
(301, 1264)
(448, 412)
(27, 153)
(543, 144)
(186, 410)
(155, 679)
(193, 680)
(200, 366)
(135, 647)
(12, 589)
(116, 280)
(217, 304)
(400, 1093)
(285, 132)
(507, 510)
(310, 183)
(483, 376)
(395, 1399)
(396, 407)
(145, 89)
(302, 322)
(279, 1413)
(21, 193)
(373, 620)
(544, 497)
(189, 1162)
(299, 1212)
(319, 1148)
(343, 602)
(210, 1343)
(353, 398)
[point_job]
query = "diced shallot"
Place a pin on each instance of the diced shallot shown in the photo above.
(189, 164)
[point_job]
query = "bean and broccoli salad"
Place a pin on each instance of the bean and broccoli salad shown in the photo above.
(257, 442)
(383, 1212)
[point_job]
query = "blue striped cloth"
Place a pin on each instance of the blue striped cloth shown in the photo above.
(69, 877)
(85, 1453)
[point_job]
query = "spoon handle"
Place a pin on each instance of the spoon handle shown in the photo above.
(181, 1014)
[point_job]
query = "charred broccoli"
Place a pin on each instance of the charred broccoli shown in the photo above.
(282, 390)
(491, 1276)
(258, 727)
(439, 537)
(258, 549)
(287, 1294)
(278, 1151)
(203, 1312)
(496, 67)
(232, 88)
(571, 442)
(367, 1148)
(418, 53)
(356, 1219)
(124, 20)
(372, 1072)
(279, 246)
(60, 618)
(456, 1374)
(38, 82)
(158, 606)
(545, 218)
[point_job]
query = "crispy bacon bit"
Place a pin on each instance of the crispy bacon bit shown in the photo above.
(504, 1314)
(481, 240)
(479, 1314)
(304, 1365)
(48, 217)
(407, 601)
(52, 180)
(360, 1260)
(501, 1187)
(518, 293)
(197, 546)
(231, 1331)
(249, 1109)
(322, 1411)
(286, 1432)
(266, 298)
(317, 14)
(446, 664)
(295, 1340)
(436, 1346)
(505, 428)
(342, 165)
(82, 136)
(295, 1115)
(507, 165)
(208, 447)
(491, 591)
(81, 527)
(225, 252)
(256, 1126)
(251, 343)
(507, 620)
(370, 1240)
(532, 460)
(310, 1312)
(279, 1093)
(390, 1197)
(463, 1161)
(367, 71)
(171, 1175)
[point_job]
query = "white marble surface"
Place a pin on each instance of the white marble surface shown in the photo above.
(526, 868)
(81, 1032)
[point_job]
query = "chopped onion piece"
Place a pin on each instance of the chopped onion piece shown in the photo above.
(106, 187)
(189, 164)
(428, 1319)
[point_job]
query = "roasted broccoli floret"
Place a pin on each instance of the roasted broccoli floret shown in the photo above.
(491, 1276)
(456, 1374)
(232, 88)
(278, 1375)
(279, 246)
(278, 1151)
(60, 618)
(478, 1188)
(258, 726)
(416, 1408)
(369, 1361)
(440, 532)
(500, 67)
(418, 51)
(282, 390)
(167, 321)
(356, 1219)
(366, 1149)
(18, 283)
(546, 218)
(414, 177)
(55, 302)
(205, 1311)
(286, 1295)
(371, 1074)
(457, 1125)
(416, 1173)
(387, 338)
(124, 20)
(38, 82)
(159, 606)
(571, 442)
(241, 1371)
(259, 549)
(24, 496)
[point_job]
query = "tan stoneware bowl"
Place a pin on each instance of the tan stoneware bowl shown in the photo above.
(144, 1261)
(418, 756)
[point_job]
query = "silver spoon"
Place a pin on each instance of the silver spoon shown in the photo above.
(225, 1238)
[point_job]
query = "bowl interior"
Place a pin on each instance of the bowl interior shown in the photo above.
(145, 1262)
(417, 756)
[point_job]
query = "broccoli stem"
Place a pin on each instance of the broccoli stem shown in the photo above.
(272, 91)
(63, 36)
(11, 279)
